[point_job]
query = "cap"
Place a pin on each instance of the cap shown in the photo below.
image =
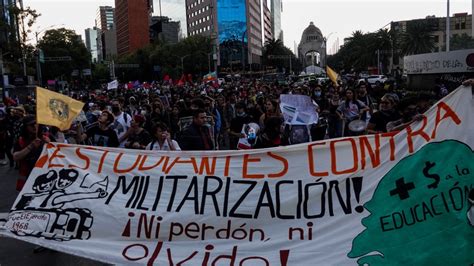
(19, 108)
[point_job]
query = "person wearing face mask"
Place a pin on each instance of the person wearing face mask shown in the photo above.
(236, 125)
(320, 98)
(409, 114)
(387, 113)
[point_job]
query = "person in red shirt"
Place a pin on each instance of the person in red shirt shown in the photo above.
(27, 149)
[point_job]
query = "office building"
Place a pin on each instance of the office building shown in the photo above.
(235, 24)
(91, 42)
(109, 49)
(132, 25)
(164, 29)
(175, 10)
(7, 19)
(105, 18)
(267, 22)
(460, 23)
(276, 7)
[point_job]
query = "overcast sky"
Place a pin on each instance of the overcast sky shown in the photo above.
(339, 17)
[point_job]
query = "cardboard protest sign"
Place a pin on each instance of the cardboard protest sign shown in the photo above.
(394, 199)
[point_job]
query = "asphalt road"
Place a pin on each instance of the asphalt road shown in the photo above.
(15, 252)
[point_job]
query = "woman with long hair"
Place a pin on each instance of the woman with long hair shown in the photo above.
(350, 109)
(272, 109)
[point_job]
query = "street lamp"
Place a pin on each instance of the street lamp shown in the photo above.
(37, 33)
(182, 63)
(38, 62)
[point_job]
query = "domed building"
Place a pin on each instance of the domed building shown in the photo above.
(312, 50)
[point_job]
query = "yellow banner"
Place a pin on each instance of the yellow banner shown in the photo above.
(332, 75)
(55, 109)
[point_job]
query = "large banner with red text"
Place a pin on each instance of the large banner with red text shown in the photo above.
(393, 198)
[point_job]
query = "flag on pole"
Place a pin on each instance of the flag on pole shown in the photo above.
(55, 109)
(332, 75)
(113, 85)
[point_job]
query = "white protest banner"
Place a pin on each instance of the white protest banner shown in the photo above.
(387, 199)
(113, 85)
(298, 109)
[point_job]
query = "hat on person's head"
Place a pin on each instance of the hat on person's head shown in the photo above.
(139, 119)
(19, 108)
(29, 120)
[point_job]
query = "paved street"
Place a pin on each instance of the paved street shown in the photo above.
(14, 252)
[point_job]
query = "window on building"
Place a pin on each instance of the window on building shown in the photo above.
(436, 39)
(460, 23)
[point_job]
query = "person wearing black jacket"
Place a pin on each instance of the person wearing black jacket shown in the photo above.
(197, 136)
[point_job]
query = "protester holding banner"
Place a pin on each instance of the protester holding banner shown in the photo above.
(272, 134)
(197, 136)
(28, 148)
(101, 134)
(161, 140)
(408, 111)
(137, 136)
(387, 113)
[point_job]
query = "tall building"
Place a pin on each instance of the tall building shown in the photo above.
(109, 38)
(175, 10)
(236, 25)
(105, 18)
(164, 29)
(267, 22)
(7, 19)
(132, 25)
(91, 42)
(105, 24)
(276, 7)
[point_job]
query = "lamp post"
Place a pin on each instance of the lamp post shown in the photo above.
(182, 63)
(39, 52)
(448, 29)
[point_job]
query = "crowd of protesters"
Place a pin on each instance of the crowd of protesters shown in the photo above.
(165, 117)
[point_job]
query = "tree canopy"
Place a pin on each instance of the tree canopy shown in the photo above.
(60, 43)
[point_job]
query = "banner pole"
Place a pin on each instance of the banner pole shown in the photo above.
(36, 113)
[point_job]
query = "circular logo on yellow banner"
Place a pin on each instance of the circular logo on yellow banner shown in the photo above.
(59, 108)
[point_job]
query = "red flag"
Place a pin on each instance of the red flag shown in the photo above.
(182, 81)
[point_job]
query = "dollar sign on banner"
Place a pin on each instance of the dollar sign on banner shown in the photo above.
(428, 166)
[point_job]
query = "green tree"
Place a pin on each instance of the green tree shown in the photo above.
(13, 44)
(418, 38)
(275, 47)
(59, 43)
(460, 42)
(195, 51)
